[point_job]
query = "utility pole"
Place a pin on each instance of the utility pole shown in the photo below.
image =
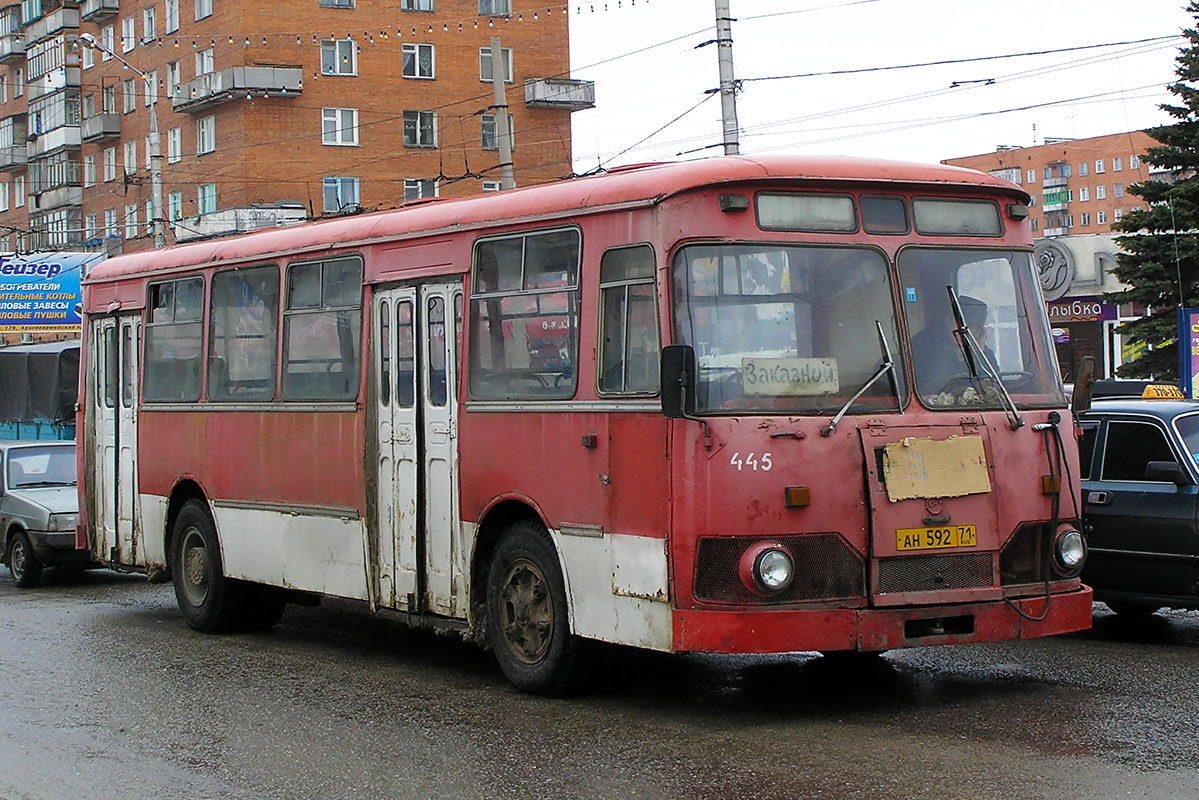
(499, 69)
(155, 142)
(728, 95)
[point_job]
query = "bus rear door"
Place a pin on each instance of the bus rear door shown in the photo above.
(115, 359)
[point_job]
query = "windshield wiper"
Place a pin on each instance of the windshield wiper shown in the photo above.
(970, 346)
(43, 484)
(888, 366)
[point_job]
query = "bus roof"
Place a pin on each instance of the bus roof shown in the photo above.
(627, 186)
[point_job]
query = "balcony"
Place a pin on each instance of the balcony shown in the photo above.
(232, 221)
(12, 49)
(215, 88)
(101, 127)
(97, 10)
(562, 93)
(56, 198)
(54, 22)
(13, 158)
(64, 136)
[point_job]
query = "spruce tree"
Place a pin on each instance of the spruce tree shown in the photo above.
(1159, 253)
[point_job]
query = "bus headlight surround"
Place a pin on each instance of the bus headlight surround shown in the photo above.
(767, 568)
(1069, 551)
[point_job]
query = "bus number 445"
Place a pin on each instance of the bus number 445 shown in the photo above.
(751, 461)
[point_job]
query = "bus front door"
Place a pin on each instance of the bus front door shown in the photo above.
(115, 355)
(417, 518)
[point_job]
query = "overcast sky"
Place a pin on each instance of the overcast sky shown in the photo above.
(909, 114)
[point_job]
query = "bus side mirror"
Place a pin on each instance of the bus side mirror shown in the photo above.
(678, 381)
(1084, 384)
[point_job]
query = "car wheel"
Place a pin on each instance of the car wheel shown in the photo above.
(24, 564)
(208, 600)
(527, 622)
(1130, 608)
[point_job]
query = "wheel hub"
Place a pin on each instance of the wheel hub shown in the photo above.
(18, 558)
(194, 567)
(527, 611)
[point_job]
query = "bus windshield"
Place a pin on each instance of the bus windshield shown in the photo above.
(997, 295)
(787, 328)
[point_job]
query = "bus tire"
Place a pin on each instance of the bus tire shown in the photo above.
(528, 627)
(207, 599)
(264, 606)
(1132, 608)
(22, 562)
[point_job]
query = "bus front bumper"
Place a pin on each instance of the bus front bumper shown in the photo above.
(877, 629)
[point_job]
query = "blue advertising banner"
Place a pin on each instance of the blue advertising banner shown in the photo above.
(1188, 351)
(39, 292)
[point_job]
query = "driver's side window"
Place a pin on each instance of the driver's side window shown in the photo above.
(1129, 449)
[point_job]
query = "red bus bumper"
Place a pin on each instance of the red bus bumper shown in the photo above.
(878, 628)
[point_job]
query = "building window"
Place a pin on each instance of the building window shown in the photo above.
(1100, 192)
(492, 186)
(174, 334)
(495, 8)
(337, 3)
(416, 5)
(110, 222)
(110, 163)
(131, 221)
(491, 139)
(1069, 220)
(420, 129)
(88, 57)
(130, 157)
(339, 126)
(203, 9)
(1086, 218)
(128, 34)
(1119, 214)
(108, 99)
(206, 198)
(108, 41)
(1117, 163)
(505, 57)
(172, 16)
(418, 189)
(149, 217)
(418, 60)
(1101, 217)
(242, 334)
(18, 84)
(1082, 170)
(1065, 170)
(205, 62)
(1134, 162)
(89, 169)
(206, 135)
(1031, 176)
(1099, 167)
(523, 284)
(1047, 173)
(1084, 194)
(149, 25)
(3, 195)
(1118, 190)
(90, 226)
(322, 297)
(175, 206)
(149, 163)
(129, 95)
(173, 79)
(151, 87)
(174, 145)
(340, 193)
(339, 57)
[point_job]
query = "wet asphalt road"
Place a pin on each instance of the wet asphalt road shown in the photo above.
(107, 694)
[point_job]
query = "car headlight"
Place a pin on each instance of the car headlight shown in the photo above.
(1069, 550)
(766, 568)
(64, 522)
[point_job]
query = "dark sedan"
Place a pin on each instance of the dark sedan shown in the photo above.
(1140, 484)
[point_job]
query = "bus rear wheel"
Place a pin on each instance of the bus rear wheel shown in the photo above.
(207, 599)
(527, 624)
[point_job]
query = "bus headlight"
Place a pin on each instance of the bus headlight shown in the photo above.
(1069, 550)
(767, 568)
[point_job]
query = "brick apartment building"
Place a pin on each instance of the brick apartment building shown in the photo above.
(269, 113)
(1078, 185)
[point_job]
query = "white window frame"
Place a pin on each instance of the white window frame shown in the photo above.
(128, 33)
(18, 88)
(108, 42)
(171, 24)
(1101, 192)
(414, 49)
(334, 130)
(1101, 217)
(492, 186)
(205, 61)
(485, 57)
(174, 78)
(1134, 162)
(415, 188)
(1099, 166)
(110, 222)
(151, 83)
(174, 145)
(91, 226)
(89, 169)
(3, 195)
(203, 9)
(1117, 163)
(484, 122)
(130, 157)
(87, 57)
(419, 119)
(128, 96)
(206, 135)
(205, 198)
(339, 183)
(131, 221)
(148, 162)
(1118, 214)
(1084, 194)
(149, 25)
(340, 49)
(495, 8)
(110, 163)
(1117, 190)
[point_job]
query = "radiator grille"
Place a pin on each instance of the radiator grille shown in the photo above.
(1026, 558)
(935, 573)
(826, 568)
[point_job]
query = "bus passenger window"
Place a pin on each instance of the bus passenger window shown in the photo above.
(405, 356)
(243, 326)
(437, 373)
(524, 317)
(174, 338)
(629, 326)
(322, 326)
(385, 354)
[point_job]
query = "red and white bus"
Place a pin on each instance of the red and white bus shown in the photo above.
(739, 405)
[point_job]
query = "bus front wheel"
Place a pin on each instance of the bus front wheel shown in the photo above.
(207, 599)
(527, 624)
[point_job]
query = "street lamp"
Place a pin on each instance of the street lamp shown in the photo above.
(89, 40)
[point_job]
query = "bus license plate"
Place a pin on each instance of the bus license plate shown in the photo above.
(933, 538)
